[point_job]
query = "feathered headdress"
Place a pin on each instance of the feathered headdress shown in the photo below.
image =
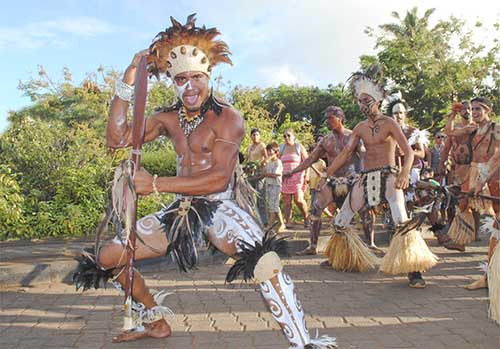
(391, 101)
(186, 47)
(367, 82)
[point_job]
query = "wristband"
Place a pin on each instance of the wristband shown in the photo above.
(124, 91)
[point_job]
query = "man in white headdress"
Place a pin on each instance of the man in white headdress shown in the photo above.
(417, 139)
(380, 180)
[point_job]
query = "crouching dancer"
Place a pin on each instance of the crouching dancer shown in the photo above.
(206, 133)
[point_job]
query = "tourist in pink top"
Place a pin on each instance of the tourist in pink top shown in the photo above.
(291, 154)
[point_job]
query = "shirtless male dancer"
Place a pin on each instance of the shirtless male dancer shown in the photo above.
(206, 133)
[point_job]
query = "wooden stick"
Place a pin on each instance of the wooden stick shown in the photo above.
(138, 128)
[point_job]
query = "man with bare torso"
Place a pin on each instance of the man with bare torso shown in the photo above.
(381, 179)
(456, 154)
(206, 133)
(483, 176)
(454, 164)
(329, 146)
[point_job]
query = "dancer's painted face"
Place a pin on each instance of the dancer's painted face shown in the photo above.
(479, 112)
(399, 113)
(368, 105)
(192, 89)
(333, 121)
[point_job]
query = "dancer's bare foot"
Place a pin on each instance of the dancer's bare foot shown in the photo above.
(157, 329)
(455, 247)
(443, 239)
(307, 252)
(325, 264)
(478, 284)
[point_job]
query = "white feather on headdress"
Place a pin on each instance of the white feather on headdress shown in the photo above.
(398, 96)
(488, 227)
(390, 101)
(419, 136)
(363, 84)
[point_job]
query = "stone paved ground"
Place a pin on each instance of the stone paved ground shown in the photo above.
(364, 311)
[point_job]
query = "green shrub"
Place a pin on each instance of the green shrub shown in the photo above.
(11, 204)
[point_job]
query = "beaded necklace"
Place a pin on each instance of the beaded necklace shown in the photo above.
(190, 123)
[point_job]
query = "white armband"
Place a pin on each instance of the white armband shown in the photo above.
(124, 91)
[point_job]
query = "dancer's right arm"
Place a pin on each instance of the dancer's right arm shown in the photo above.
(314, 156)
(345, 154)
(444, 156)
(118, 130)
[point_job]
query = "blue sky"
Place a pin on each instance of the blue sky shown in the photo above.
(307, 42)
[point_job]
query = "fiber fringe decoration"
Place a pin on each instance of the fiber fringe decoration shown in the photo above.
(249, 256)
(488, 227)
(244, 193)
(88, 274)
(481, 205)
(122, 202)
(462, 228)
(142, 315)
(184, 224)
(321, 342)
(494, 285)
(348, 253)
(408, 253)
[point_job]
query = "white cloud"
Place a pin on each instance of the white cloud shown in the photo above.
(85, 26)
(321, 39)
(52, 33)
(282, 74)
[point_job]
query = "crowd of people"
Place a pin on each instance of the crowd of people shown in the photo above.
(452, 182)
(439, 164)
(382, 164)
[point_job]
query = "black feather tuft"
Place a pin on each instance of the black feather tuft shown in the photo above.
(437, 227)
(249, 256)
(88, 274)
(412, 224)
(184, 232)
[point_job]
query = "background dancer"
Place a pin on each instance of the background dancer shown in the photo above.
(483, 176)
(330, 147)
(380, 179)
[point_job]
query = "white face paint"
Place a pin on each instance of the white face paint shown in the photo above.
(179, 90)
(399, 108)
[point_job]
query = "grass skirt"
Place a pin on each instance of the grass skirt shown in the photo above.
(408, 253)
(462, 228)
(494, 284)
(483, 206)
(347, 252)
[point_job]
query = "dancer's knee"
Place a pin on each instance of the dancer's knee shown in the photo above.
(315, 211)
(110, 255)
(268, 266)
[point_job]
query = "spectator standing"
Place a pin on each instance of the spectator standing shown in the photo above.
(435, 152)
(272, 176)
(291, 155)
(256, 157)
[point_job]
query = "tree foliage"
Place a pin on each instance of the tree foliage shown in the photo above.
(58, 173)
(435, 65)
(56, 170)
